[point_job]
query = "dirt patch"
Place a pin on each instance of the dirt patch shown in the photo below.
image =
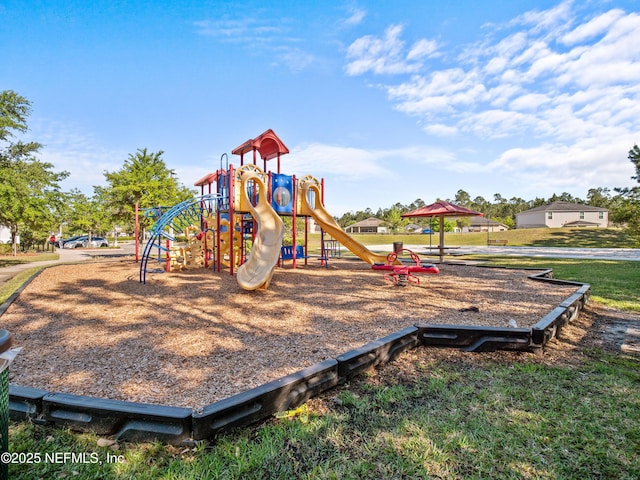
(192, 338)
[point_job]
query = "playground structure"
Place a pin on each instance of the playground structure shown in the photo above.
(236, 225)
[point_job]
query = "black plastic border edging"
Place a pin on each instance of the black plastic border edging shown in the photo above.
(258, 403)
(131, 421)
(126, 420)
(550, 325)
(480, 338)
(25, 402)
(374, 353)
(474, 338)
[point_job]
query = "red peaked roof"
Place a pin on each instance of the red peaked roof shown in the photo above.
(267, 144)
(441, 209)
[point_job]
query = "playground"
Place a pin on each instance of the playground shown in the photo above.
(219, 323)
(195, 337)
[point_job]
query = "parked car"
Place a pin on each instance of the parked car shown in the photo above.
(63, 241)
(96, 242)
(83, 241)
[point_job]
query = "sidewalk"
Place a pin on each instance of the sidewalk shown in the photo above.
(66, 255)
(625, 254)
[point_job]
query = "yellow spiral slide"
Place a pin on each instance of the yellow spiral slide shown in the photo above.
(257, 271)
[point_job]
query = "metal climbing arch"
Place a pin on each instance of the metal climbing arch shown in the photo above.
(176, 219)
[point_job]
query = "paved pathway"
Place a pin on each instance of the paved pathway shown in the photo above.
(66, 255)
(632, 254)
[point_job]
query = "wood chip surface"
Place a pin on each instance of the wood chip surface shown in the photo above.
(195, 337)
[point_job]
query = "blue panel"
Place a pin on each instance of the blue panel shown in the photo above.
(282, 193)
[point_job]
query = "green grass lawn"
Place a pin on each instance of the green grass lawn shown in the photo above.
(532, 237)
(613, 283)
(8, 288)
(8, 260)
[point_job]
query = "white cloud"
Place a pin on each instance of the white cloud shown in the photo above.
(593, 28)
(422, 48)
(553, 96)
(556, 165)
(530, 101)
(444, 90)
(545, 20)
(257, 35)
(524, 83)
(441, 130)
(246, 29)
(70, 149)
(347, 162)
(356, 164)
(295, 59)
(386, 55)
(356, 15)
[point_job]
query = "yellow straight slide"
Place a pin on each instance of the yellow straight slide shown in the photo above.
(327, 222)
(257, 271)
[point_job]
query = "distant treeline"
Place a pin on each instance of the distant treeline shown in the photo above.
(501, 209)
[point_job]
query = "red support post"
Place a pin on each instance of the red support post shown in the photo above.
(306, 240)
(218, 256)
(231, 225)
(136, 228)
(293, 222)
(323, 249)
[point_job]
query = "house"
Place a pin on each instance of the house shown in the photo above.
(5, 235)
(484, 224)
(563, 214)
(413, 228)
(370, 225)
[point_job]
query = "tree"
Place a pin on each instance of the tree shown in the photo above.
(628, 209)
(463, 199)
(394, 220)
(88, 214)
(599, 197)
(144, 180)
(28, 192)
(634, 157)
(14, 110)
(29, 188)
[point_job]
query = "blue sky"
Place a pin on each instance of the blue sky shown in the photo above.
(388, 101)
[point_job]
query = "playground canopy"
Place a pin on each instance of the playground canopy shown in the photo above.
(441, 209)
(267, 144)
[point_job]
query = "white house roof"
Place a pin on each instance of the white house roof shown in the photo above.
(369, 222)
(565, 207)
(476, 221)
(581, 223)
